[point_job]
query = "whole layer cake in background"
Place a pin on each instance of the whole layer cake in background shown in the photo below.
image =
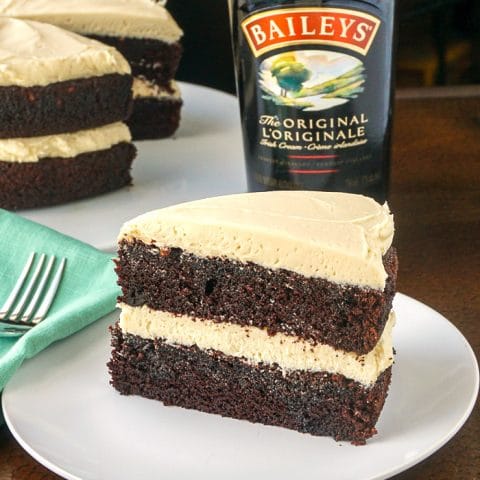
(62, 100)
(146, 35)
(270, 307)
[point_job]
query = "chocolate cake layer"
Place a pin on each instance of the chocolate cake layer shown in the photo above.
(154, 118)
(58, 180)
(316, 403)
(346, 317)
(152, 59)
(64, 107)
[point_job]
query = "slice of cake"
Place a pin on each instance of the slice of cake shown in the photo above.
(143, 31)
(270, 307)
(62, 100)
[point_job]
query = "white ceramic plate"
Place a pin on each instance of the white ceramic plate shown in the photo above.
(61, 409)
(205, 158)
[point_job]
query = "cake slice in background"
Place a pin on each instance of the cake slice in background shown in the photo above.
(143, 31)
(270, 307)
(63, 98)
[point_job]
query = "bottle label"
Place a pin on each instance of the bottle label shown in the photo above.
(273, 29)
(316, 92)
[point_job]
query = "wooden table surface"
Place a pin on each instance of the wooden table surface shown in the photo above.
(435, 196)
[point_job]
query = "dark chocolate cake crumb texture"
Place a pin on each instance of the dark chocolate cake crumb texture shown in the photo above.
(222, 290)
(315, 403)
(64, 107)
(52, 181)
(154, 118)
(149, 58)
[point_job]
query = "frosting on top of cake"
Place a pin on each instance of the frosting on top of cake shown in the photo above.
(65, 145)
(118, 18)
(338, 236)
(37, 54)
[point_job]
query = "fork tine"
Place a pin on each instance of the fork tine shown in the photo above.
(52, 291)
(26, 294)
(18, 286)
(38, 292)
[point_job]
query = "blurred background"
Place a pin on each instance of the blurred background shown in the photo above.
(438, 43)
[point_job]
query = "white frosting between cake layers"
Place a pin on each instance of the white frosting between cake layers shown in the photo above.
(118, 18)
(143, 88)
(65, 145)
(255, 345)
(37, 54)
(337, 236)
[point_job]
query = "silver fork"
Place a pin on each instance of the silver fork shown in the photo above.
(31, 297)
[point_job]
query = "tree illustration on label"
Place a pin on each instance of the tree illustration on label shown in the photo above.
(290, 74)
(311, 79)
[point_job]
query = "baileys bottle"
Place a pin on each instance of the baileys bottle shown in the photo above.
(314, 80)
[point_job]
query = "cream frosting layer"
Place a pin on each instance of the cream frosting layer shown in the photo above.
(37, 54)
(65, 145)
(143, 88)
(338, 236)
(255, 345)
(119, 18)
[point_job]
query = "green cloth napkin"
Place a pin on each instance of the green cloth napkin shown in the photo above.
(88, 290)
